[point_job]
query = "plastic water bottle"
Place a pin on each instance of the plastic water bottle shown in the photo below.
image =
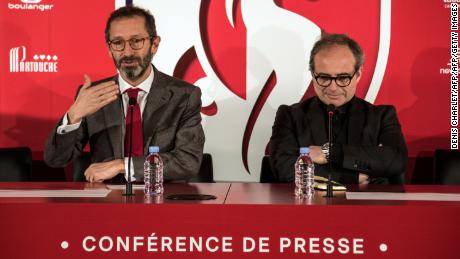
(304, 174)
(153, 172)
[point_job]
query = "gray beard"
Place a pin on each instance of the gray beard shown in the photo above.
(132, 74)
(136, 73)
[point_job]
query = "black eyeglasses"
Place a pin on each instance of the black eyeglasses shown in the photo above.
(341, 80)
(134, 43)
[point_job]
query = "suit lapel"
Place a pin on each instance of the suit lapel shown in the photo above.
(157, 97)
(114, 121)
(316, 122)
(356, 122)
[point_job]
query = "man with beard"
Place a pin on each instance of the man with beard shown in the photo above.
(367, 143)
(166, 114)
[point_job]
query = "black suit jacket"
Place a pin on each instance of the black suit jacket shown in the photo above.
(171, 120)
(375, 145)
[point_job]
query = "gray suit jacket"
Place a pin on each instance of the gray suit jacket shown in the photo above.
(171, 120)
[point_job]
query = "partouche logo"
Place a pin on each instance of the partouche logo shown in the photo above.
(40, 63)
(30, 5)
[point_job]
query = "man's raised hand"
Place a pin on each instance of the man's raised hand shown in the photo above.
(92, 98)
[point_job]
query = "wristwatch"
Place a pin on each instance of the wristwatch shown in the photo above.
(325, 149)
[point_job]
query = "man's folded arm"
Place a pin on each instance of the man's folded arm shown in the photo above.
(341, 175)
(386, 159)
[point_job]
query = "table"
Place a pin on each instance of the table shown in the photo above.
(247, 219)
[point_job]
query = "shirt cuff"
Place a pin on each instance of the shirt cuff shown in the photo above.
(65, 127)
(132, 170)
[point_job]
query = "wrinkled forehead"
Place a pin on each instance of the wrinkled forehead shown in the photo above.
(334, 59)
(128, 27)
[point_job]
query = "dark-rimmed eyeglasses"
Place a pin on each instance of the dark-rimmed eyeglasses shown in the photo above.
(134, 43)
(326, 80)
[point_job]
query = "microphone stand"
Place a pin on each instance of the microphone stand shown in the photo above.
(129, 184)
(329, 188)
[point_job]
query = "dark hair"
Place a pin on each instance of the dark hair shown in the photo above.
(129, 12)
(328, 40)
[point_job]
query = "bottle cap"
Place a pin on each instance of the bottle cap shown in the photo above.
(304, 150)
(154, 149)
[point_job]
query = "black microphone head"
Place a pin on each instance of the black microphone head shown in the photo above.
(330, 109)
(132, 101)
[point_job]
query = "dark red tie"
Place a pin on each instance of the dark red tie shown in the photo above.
(137, 125)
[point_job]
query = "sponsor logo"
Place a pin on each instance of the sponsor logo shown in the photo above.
(445, 70)
(40, 63)
(30, 5)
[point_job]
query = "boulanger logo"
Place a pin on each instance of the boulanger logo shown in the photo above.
(30, 5)
(40, 63)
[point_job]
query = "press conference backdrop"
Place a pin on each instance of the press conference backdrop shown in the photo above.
(247, 56)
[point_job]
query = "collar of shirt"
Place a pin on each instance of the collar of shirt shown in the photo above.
(339, 110)
(142, 96)
(144, 86)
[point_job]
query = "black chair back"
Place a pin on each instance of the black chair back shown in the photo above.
(205, 175)
(266, 172)
(447, 166)
(79, 166)
(15, 164)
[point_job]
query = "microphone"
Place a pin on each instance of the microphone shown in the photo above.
(330, 114)
(132, 101)
(129, 185)
(330, 110)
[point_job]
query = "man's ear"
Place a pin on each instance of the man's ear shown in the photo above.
(358, 74)
(109, 50)
(155, 44)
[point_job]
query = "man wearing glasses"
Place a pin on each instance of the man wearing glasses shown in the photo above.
(367, 142)
(165, 110)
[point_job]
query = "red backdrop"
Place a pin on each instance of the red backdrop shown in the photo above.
(32, 102)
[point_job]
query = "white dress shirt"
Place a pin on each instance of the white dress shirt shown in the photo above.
(65, 127)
